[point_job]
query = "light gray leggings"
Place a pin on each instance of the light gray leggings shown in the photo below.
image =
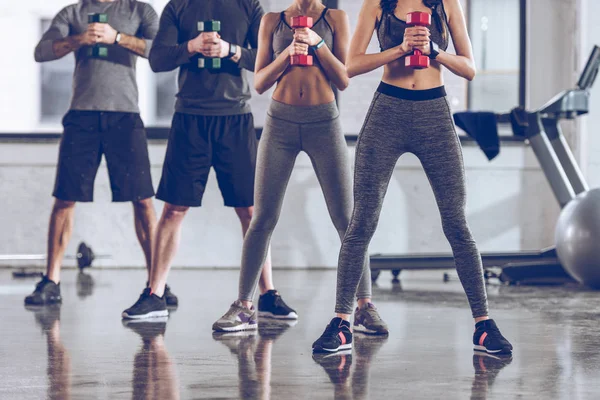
(288, 130)
(419, 122)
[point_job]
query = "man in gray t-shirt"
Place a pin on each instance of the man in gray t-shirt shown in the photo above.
(107, 37)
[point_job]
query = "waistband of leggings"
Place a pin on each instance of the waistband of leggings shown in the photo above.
(414, 95)
(303, 114)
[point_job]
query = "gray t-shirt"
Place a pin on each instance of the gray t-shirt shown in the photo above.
(103, 84)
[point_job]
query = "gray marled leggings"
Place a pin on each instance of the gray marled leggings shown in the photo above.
(289, 130)
(419, 122)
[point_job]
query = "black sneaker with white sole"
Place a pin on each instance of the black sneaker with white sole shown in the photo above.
(148, 305)
(271, 305)
(170, 298)
(487, 338)
(337, 336)
(46, 292)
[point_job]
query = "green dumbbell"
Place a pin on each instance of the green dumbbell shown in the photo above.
(209, 26)
(97, 51)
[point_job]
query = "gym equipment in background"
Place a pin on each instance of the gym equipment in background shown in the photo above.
(97, 50)
(209, 26)
(417, 60)
(578, 228)
(304, 60)
(85, 257)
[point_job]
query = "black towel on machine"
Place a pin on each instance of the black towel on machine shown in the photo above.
(483, 127)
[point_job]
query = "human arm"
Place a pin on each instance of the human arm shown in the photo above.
(268, 71)
(359, 62)
(462, 63)
(56, 41)
(167, 53)
(332, 62)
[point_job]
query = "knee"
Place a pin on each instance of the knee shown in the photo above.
(63, 205)
(360, 232)
(457, 231)
(172, 212)
(143, 205)
(245, 214)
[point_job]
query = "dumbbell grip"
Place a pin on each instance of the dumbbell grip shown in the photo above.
(417, 52)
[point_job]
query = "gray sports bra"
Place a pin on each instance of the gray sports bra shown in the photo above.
(284, 34)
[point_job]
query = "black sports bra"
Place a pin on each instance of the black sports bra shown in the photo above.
(390, 29)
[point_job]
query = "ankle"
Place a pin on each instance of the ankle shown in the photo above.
(345, 317)
(364, 301)
(479, 319)
(160, 291)
(54, 278)
(247, 304)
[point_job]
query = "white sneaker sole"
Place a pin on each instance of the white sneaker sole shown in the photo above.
(242, 327)
(347, 346)
(151, 314)
(267, 314)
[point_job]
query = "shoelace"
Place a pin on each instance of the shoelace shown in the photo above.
(280, 303)
(40, 285)
(374, 314)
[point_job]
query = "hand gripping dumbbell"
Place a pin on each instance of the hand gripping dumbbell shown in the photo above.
(304, 60)
(417, 60)
(209, 26)
(97, 50)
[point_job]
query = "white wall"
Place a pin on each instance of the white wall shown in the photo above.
(502, 215)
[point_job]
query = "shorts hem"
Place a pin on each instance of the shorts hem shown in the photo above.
(74, 199)
(129, 199)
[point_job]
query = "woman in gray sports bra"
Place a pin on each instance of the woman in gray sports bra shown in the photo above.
(303, 116)
(410, 114)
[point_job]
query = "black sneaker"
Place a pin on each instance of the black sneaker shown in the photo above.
(487, 338)
(170, 298)
(271, 305)
(46, 292)
(148, 305)
(337, 336)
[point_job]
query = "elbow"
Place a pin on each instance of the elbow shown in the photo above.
(351, 70)
(37, 55)
(471, 72)
(343, 83)
(259, 87)
(155, 64)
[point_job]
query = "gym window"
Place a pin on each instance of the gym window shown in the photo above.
(497, 31)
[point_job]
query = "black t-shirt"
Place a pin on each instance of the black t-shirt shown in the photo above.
(223, 91)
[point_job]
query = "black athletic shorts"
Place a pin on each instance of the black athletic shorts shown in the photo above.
(198, 142)
(121, 137)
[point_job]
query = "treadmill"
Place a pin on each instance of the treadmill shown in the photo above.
(542, 131)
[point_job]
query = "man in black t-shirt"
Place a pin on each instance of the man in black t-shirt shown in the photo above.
(212, 127)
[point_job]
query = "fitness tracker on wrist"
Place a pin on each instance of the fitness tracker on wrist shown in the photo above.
(233, 48)
(318, 45)
(118, 38)
(434, 50)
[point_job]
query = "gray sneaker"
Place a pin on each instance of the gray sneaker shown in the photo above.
(238, 318)
(367, 320)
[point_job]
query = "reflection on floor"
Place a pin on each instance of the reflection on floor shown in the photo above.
(83, 350)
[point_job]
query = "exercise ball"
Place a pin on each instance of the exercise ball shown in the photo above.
(578, 238)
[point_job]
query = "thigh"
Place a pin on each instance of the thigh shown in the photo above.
(437, 146)
(377, 151)
(126, 151)
(187, 161)
(326, 146)
(279, 146)
(234, 158)
(79, 156)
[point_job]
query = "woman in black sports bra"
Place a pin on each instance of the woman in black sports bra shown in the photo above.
(303, 116)
(410, 114)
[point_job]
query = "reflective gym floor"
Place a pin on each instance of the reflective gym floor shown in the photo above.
(84, 351)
